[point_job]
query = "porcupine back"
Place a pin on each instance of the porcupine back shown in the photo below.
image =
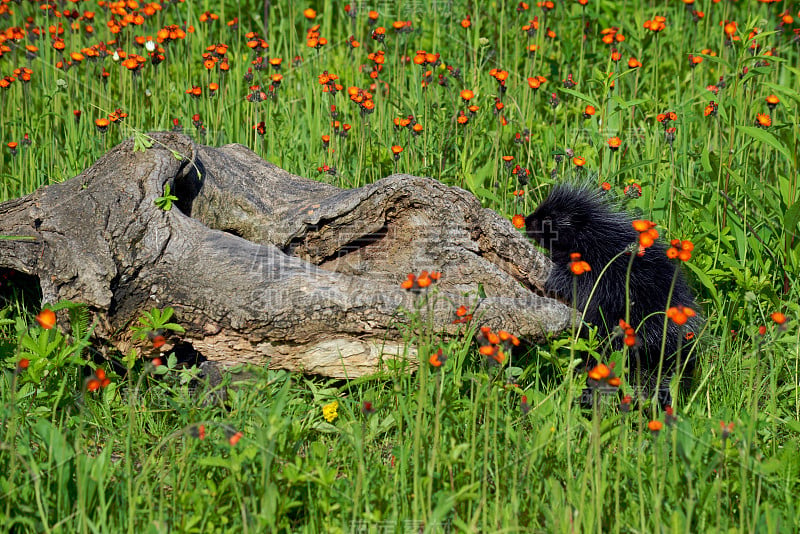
(580, 218)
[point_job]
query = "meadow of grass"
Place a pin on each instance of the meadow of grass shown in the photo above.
(687, 110)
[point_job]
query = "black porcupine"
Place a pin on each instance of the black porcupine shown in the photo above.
(580, 218)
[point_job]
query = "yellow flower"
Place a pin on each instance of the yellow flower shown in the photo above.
(329, 411)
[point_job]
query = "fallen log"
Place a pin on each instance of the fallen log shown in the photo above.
(265, 267)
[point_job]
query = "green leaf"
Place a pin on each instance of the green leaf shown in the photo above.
(625, 104)
(485, 194)
(767, 138)
(704, 279)
(791, 217)
(141, 142)
(632, 166)
(585, 98)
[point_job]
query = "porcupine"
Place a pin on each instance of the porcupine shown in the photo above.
(580, 218)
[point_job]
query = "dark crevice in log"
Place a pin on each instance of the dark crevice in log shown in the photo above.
(187, 185)
(16, 285)
(187, 354)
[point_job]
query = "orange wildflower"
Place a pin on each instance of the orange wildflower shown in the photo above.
(772, 101)
(729, 28)
(778, 317)
(437, 358)
(599, 372)
(577, 265)
(655, 426)
(680, 314)
(46, 319)
(647, 232)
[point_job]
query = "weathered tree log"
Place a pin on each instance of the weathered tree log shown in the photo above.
(266, 267)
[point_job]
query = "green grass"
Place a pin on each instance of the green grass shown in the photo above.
(448, 448)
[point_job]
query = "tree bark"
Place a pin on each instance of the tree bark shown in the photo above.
(265, 267)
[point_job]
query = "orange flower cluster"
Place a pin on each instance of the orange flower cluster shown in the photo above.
(501, 76)
(6, 81)
(522, 174)
(362, 98)
(680, 314)
(97, 380)
(680, 249)
(415, 284)
(195, 91)
(115, 117)
(628, 332)
(611, 35)
(711, 109)
(329, 83)
(492, 345)
(342, 130)
(378, 59)
(647, 233)
(327, 169)
(173, 32)
(402, 26)
(408, 122)
(462, 317)
(725, 429)
(656, 25)
(379, 34)
(438, 358)
(255, 42)
(666, 118)
(577, 265)
(313, 39)
(625, 404)
(531, 27)
(134, 63)
(536, 81)
(602, 377)
(423, 59)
